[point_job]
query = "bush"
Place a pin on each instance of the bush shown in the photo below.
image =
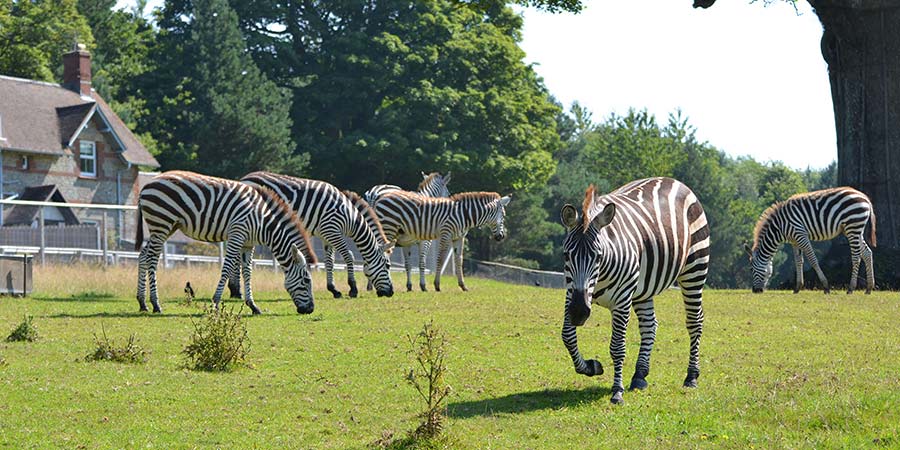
(429, 349)
(220, 341)
(106, 350)
(26, 331)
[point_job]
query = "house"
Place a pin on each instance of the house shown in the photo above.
(63, 140)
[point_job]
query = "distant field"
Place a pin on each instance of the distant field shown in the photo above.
(778, 371)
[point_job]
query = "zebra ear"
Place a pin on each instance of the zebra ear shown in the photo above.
(505, 200)
(424, 175)
(447, 178)
(747, 248)
(296, 256)
(387, 247)
(569, 216)
(605, 217)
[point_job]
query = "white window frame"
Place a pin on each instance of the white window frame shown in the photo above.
(93, 146)
(2, 138)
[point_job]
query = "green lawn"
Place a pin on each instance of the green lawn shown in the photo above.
(778, 371)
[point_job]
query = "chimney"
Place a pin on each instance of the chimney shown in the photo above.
(77, 71)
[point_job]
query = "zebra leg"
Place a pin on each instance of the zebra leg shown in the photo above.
(234, 284)
(424, 246)
(442, 255)
(647, 323)
(329, 270)
(588, 367)
(347, 256)
(856, 251)
(246, 270)
(155, 247)
(620, 316)
(407, 264)
(143, 264)
(810, 254)
(458, 262)
(691, 284)
(798, 264)
(233, 250)
(870, 269)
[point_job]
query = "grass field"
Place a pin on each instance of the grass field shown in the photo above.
(778, 371)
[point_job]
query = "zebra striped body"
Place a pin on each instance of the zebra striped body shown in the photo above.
(214, 210)
(409, 217)
(814, 216)
(622, 250)
(432, 185)
(330, 215)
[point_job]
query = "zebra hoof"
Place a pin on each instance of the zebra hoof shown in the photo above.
(691, 380)
(157, 311)
(638, 383)
(423, 288)
(849, 291)
(616, 398)
(592, 368)
(868, 292)
(354, 293)
(464, 288)
(796, 291)
(143, 309)
(408, 287)
(437, 288)
(827, 291)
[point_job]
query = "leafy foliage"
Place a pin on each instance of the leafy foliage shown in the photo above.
(129, 352)
(24, 332)
(220, 342)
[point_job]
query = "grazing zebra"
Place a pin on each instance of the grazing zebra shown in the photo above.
(813, 216)
(408, 217)
(432, 185)
(330, 215)
(213, 209)
(622, 250)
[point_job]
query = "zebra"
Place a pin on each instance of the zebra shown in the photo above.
(432, 185)
(408, 217)
(622, 250)
(213, 209)
(330, 214)
(813, 216)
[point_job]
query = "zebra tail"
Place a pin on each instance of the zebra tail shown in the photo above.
(872, 240)
(139, 233)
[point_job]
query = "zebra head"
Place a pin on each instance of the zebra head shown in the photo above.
(581, 255)
(434, 185)
(298, 282)
(379, 271)
(762, 269)
(497, 220)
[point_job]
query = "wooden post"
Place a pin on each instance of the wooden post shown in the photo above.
(165, 256)
(41, 226)
(221, 254)
(105, 243)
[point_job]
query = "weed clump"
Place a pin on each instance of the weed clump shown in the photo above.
(220, 341)
(130, 352)
(429, 347)
(25, 332)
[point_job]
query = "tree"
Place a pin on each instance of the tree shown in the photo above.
(218, 115)
(35, 34)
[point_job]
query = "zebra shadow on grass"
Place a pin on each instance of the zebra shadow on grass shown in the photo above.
(527, 402)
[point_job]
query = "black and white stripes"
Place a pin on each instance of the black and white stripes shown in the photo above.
(623, 249)
(409, 217)
(814, 216)
(212, 209)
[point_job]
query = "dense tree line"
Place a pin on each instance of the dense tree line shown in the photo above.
(358, 92)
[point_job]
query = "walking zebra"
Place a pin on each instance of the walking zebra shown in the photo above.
(408, 217)
(813, 216)
(213, 209)
(622, 250)
(432, 185)
(330, 215)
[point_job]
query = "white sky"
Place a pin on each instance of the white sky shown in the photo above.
(750, 78)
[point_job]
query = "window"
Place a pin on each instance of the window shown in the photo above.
(24, 162)
(1, 129)
(87, 158)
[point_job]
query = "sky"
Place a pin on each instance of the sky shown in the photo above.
(750, 78)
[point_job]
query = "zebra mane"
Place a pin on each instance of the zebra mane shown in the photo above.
(431, 176)
(367, 211)
(475, 196)
(586, 206)
(764, 220)
(275, 200)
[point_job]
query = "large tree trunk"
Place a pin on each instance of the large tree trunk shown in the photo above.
(861, 44)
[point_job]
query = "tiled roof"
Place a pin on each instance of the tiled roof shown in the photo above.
(25, 215)
(40, 117)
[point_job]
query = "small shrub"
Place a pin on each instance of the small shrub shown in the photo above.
(220, 341)
(429, 348)
(26, 331)
(107, 350)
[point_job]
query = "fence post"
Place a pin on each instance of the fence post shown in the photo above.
(221, 254)
(165, 256)
(41, 226)
(105, 242)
